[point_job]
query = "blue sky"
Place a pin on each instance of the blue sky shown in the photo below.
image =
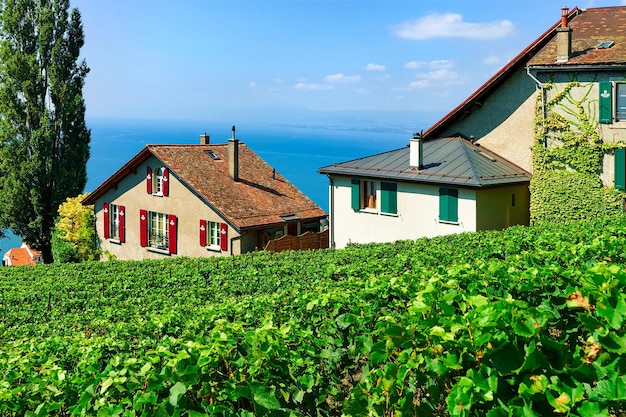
(203, 59)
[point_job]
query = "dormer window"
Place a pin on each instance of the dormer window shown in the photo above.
(157, 181)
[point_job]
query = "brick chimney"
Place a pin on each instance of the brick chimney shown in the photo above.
(233, 157)
(563, 38)
(205, 139)
(416, 151)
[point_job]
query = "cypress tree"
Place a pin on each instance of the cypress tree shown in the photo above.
(44, 140)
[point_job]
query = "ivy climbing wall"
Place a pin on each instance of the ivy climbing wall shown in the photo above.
(568, 154)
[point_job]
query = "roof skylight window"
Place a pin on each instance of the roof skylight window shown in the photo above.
(212, 155)
(605, 44)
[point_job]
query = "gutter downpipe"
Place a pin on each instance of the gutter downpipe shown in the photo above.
(543, 101)
(232, 240)
(331, 222)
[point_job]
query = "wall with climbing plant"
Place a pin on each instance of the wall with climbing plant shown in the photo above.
(568, 153)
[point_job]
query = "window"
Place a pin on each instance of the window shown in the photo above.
(213, 235)
(612, 101)
(363, 194)
(158, 230)
(449, 205)
(114, 222)
(389, 197)
(620, 101)
(157, 181)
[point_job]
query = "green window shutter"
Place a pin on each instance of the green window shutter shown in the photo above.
(389, 197)
(606, 102)
(620, 168)
(356, 194)
(449, 204)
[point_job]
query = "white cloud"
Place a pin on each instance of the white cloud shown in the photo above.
(451, 25)
(252, 84)
(492, 60)
(278, 80)
(420, 84)
(313, 86)
(436, 78)
(334, 78)
(441, 63)
(376, 67)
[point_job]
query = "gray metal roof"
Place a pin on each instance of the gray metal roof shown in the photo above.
(453, 161)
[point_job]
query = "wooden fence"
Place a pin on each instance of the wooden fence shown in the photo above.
(306, 241)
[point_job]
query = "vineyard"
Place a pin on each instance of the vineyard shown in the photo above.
(524, 322)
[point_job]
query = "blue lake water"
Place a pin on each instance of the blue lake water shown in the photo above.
(295, 150)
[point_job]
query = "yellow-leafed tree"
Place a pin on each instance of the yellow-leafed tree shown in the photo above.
(74, 238)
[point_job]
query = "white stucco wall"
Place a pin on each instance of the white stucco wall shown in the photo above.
(418, 212)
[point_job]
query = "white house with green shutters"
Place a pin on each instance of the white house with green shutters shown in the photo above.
(428, 188)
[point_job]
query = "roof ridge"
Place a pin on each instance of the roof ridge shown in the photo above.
(464, 146)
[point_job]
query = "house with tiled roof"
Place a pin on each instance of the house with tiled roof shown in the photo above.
(24, 255)
(199, 200)
(581, 59)
(425, 189)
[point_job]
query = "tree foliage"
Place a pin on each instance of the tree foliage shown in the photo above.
(74, 238)
(44, 141)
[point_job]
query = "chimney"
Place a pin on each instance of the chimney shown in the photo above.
(233, 157)
(204, 139)
(416, 151)
(563, 38)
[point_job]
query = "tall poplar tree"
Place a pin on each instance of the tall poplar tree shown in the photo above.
(44, 141)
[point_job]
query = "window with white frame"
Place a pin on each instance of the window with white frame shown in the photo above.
(158, 176)
(363, 194)
(214, 235)
(158, 230)
(620, 101)
(114, 221)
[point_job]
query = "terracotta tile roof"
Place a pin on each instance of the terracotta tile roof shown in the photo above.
(19, 257)
(589, 28)
(259, 198)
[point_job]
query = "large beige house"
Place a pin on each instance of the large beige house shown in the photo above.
(198, 200)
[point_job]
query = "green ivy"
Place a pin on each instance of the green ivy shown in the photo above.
(567, 160)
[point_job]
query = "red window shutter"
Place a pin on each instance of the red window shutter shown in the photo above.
(166, 182)
(223, 236)
(149, 180)
(106, 220)
(122, 214)
(171, 232)
(143, 228)
(202, 232)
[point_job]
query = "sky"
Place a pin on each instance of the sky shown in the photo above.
(212, 59)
